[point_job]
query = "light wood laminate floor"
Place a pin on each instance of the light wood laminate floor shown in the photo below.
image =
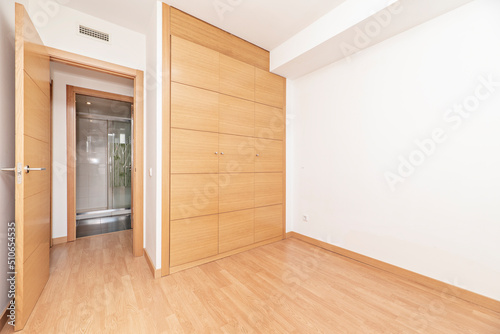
(97, 286)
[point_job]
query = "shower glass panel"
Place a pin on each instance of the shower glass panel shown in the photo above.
(120, 164)
(91, 175)
(103, 165)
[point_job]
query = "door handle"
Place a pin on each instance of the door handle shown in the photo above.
(28, 169)
(6, 169)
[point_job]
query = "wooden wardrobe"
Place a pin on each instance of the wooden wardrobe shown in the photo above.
(223, 188)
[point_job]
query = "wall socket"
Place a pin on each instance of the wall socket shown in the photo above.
(305, 218)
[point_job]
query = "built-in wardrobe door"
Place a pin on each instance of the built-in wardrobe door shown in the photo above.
(237, 154)
(268, 155)
(193, 195)
(194, 151)
(194, 108)
(268, 189)
(194, 65)
(236, 116)
(236, 191)
(236, 230)
(269, 122)
(268, 222)
(269, 88)
(236, 78)
(193, 239)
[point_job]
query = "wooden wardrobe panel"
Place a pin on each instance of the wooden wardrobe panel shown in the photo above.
(193, 239)
(194, 152)
(269, 88)
(269, 122)
(268, 222)
(268, 189)
(190, 28)
(194, 65)
(236, 116)
(269, 155)
(236, 192)
(236, 230)
(237, 154)
(194, 108)
(193, 195)
(237, 78)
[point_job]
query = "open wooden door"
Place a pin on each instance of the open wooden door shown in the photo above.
(32, 82)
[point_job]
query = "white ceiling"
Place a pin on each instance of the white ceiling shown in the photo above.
(266, 23)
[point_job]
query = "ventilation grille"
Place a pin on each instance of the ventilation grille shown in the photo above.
(94, 33)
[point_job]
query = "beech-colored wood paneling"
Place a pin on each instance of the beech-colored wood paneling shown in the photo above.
(269, 155)
(37, 226)
(194, 108)
(138, 165)
(35, 152)
(71, 162)
(32, 144)
(236, 116)
(194, 151)
(193, 239)
(76, 60)
(268, 189)
(193, 195)
(268, 222)
(237, 78)
(269, 122)
(165, 170)
(205, 61)
(237, 154)
(36, 274)
(269, 88)
(194, 65)
(37, 110)
(236, 230)
(236, 192)
(202, 33)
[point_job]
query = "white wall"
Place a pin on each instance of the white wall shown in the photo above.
(153, 123)
(58, 28)
(354, 118)
(63, 75)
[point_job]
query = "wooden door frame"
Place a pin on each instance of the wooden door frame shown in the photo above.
(71, 92)
(137, 76)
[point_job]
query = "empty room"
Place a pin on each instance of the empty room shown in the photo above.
(250, 166)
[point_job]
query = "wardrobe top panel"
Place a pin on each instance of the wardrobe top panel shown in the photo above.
(192, 29)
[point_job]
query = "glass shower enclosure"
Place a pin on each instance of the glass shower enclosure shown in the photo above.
(103, 165)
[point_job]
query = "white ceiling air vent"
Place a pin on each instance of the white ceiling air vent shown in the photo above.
(94, 33)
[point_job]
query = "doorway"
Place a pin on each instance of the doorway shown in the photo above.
(101, 155)
(103, 163)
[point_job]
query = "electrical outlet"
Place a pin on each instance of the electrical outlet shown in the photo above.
(305, 218)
